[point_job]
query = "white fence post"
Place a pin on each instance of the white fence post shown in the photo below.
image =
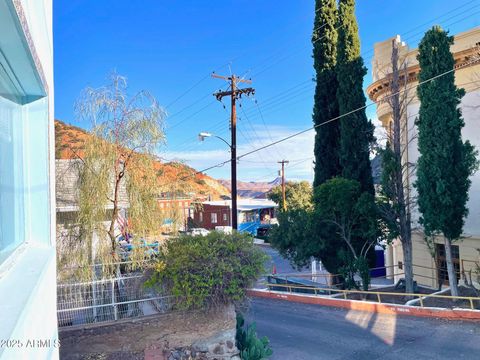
(115, 310)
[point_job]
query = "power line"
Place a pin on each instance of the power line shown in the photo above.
(274, 101)
(289, 166)
(371, 50)
(337, 117)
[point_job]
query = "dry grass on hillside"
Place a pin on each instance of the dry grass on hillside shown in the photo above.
(173, 176)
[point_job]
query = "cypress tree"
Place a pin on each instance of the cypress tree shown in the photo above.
(356, 131)
(324, 40)
(446, 162)
(327, 137)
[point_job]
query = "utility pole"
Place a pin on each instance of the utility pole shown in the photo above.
(284, 197)
(235, 93)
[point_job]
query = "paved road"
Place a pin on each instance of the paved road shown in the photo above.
(309, 332)
(282, 265)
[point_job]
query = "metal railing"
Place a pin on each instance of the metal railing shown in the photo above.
(474, 266)
(333, 278)
(108, 300)
(319, 292)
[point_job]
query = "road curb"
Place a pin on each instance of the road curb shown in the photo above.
(392, 309)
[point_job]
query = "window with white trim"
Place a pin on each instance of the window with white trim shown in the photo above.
(214, 218)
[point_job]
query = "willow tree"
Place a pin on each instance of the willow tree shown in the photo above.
(446, 162)
(118, 185)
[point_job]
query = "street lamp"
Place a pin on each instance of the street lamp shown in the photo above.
(233, 162)
(203, 135)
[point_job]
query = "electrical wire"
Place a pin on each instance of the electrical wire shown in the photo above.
(281, 98)
(335, 118)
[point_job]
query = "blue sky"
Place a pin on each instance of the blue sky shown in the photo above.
(171, 47)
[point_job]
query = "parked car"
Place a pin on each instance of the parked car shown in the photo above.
(224, 229)
(262, 232)
(198, 231)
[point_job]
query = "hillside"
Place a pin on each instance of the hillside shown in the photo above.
(70, 140)
(253, 190)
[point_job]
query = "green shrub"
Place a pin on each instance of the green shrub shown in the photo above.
(207, 271)
(250, 346)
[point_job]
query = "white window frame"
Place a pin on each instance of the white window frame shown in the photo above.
(214, 218)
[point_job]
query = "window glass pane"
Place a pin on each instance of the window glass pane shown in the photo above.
(37, 210)
(24, 186)
(12, 212)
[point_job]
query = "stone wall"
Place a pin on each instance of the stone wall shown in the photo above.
(172, 336)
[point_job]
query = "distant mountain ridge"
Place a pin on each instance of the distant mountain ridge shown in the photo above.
(252, 189)
(259, 190)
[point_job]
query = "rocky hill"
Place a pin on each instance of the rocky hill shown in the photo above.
(253, 190)
(69, 144)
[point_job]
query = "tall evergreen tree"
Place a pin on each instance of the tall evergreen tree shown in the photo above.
(327, 137)
(356, 131)
(446, 162)
(324, 40)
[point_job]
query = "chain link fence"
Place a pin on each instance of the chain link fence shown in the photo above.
(108, 300)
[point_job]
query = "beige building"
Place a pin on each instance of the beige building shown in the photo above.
(428, 260)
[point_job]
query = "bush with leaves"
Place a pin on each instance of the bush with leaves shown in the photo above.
(207, 271)
(292, 237)
(250, 346)
(349, 215)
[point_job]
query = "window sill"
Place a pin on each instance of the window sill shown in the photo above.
(28, 307)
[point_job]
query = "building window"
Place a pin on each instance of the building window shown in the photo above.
(24, 196)
(214, 218)
(224, 217)
(200, 216)
(441, 262)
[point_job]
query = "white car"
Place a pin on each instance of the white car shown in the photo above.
(199, 231)
(224, 229)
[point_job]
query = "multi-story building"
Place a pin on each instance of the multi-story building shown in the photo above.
(429, 261)
(28, 319)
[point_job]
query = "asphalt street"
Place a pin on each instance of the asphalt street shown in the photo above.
(308, 332)
(282, 265)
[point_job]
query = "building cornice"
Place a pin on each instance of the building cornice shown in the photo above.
(463, 59)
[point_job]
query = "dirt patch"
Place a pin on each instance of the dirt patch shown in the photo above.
(391, 299)
(450, 303)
